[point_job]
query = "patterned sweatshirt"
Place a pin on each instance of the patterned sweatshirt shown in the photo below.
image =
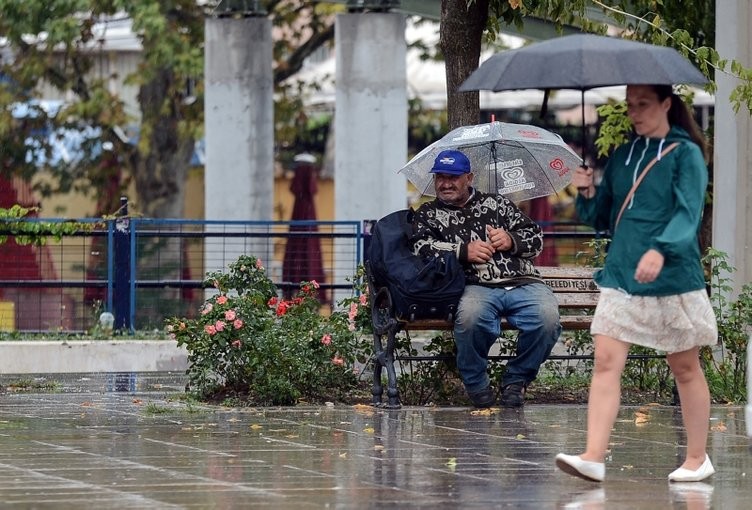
(439, 226)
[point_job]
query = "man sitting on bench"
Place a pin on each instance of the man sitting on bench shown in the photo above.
(496, 243)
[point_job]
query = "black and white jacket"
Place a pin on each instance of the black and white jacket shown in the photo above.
(440, 226)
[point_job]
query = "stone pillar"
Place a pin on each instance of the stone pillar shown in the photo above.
(370, 121)
(239, 126)
(732, 204)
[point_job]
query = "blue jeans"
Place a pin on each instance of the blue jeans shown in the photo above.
(532, 309)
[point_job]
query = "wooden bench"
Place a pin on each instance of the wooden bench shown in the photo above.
(573, 287)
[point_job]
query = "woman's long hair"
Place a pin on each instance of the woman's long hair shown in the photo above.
(680, 115)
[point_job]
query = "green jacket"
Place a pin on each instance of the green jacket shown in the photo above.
(664, 214)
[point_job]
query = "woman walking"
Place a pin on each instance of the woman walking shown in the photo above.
(652, 283)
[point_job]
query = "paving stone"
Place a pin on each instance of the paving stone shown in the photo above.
(125, 441)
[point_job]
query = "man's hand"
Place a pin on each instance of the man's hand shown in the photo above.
(499, 239)
(649, 267)
(479, 252)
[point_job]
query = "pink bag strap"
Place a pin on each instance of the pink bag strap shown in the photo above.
(639, 180)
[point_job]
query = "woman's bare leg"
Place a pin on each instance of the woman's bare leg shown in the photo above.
(695, 403)
(605, 395)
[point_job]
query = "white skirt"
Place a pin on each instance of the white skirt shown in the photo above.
(667, 323)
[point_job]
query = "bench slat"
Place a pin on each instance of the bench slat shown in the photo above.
(567, 322)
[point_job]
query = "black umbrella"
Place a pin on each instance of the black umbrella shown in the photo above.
(582, 62)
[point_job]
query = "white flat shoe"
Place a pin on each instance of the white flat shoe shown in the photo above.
(687, 475)
(585, 469)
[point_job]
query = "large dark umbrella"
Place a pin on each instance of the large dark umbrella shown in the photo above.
(582, 62)
(302, 260)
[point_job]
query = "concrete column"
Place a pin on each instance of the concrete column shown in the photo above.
(370, 121)
(371, 117)
(239, 125)
(732, 204)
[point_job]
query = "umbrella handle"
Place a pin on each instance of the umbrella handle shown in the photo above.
(584, 165)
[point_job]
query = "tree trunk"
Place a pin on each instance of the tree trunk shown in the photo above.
(460, 38)
(161, 169)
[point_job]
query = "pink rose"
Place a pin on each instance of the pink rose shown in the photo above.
(236, 343)
(230, 315)
(363, 299)
(338, 361)
(237, 324)
(220, 325)
(315, 284)
(210, 329)
(259, 264)
(208, 307)
(221, 300)
(326, 339)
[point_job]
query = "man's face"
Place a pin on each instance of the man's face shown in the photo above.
(452, 189)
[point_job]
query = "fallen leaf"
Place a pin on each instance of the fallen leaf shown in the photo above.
(520, 436)
(721, 427)
(233, 420)
(137, 401)
(452, 463)
(378, 447)
(343, 455)
(292, 436)
(483, 412)
(641, 418)
(368, 430)
(256, 426)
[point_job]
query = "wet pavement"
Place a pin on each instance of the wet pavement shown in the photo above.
(129, 441)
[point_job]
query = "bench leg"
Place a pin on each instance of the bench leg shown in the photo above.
(392, 393)
(377, 390)
(385, 359)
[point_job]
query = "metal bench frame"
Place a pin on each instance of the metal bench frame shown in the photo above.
(573, 287)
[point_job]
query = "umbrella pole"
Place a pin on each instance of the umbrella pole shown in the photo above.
(584, 132)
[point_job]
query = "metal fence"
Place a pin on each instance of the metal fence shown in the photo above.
(145, 270)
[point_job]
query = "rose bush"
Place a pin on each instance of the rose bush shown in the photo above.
(247, 342)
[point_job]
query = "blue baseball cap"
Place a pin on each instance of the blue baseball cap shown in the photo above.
(451, 162)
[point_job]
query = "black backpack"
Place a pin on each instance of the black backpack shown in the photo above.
(418, 287)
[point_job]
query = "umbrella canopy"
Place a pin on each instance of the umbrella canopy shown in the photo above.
(519, 161)
(583, 61)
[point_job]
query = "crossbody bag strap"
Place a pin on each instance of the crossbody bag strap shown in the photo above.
(639, 180)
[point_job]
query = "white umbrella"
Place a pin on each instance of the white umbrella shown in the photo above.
(519, 161)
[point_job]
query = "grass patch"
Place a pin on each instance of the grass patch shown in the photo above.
(29, 385)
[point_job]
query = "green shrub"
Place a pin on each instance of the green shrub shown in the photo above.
(246, 341)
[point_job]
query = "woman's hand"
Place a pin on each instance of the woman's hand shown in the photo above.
(583, 181)
(649, 267)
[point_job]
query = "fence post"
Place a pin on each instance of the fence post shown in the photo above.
(121, 292)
